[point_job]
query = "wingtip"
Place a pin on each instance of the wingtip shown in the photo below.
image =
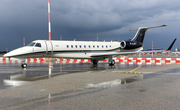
(164, 25)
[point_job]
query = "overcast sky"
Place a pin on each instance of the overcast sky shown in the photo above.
(83, 19)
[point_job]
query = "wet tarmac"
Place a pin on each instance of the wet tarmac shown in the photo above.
(81, 86)
(14, 73)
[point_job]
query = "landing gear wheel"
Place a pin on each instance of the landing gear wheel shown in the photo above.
(24, 65)
(95, 62)
(112, 62)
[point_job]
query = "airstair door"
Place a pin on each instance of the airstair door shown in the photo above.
(49, 48)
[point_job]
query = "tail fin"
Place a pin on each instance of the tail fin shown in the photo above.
(172, 44)
(139, 36)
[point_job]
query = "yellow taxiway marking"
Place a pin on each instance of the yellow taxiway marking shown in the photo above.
(131, 72)
(135, 69)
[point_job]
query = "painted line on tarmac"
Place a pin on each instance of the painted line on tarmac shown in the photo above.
(131, 72)
(127, 72)
(135, 69)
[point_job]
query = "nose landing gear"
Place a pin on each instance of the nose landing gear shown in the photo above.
(24, 65)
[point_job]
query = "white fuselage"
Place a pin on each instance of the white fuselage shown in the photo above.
(65, 49)
(82, 49)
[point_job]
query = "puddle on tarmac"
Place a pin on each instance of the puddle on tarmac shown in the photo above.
(115, 82)
(129, 80)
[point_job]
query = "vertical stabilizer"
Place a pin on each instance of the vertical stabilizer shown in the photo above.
(172, 44)
(139, 36)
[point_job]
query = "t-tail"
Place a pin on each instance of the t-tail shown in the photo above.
(137, 40)
(171, 45)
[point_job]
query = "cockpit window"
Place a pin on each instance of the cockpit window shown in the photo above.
(38, 45)
(31, 44)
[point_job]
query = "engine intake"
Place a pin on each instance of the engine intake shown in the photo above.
(130, 44)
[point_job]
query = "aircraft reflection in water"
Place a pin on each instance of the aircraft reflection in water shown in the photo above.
(45, 73)
(14, 79)
(34, 74)
(23, 78)
(28, 75)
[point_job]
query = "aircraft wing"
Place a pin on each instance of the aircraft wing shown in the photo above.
(119, 53)
(115, 53)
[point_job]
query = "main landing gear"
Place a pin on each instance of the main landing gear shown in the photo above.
(95, 63)
(110, 61)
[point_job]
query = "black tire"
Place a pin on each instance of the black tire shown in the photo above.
(112, 62)
(24, 65)
(95, 62)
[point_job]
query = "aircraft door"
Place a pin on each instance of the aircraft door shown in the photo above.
(49, 48)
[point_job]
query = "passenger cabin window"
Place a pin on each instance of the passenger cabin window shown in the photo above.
(84, 46)
(89, 46)
(106, 46)
(80, 46)
(31, 44)
(98, 46)
(93, 46)
(102, 46)
(71, 46)
(76, 46)
(67, 46)
(38, 45)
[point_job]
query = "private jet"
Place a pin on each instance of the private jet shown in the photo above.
(93, 50)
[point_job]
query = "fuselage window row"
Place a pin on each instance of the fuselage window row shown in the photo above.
(89, 46)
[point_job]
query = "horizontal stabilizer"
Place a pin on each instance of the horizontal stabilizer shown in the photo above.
(150, 27)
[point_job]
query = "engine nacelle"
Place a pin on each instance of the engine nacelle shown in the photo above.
(130, 44)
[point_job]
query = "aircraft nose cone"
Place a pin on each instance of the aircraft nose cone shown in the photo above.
(6, 55)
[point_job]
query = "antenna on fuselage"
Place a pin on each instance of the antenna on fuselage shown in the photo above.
(49, 20)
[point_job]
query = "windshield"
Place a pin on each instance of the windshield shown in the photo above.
(31, 44)
(38, 45)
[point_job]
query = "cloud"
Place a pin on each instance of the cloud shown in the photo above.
(83, 19)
